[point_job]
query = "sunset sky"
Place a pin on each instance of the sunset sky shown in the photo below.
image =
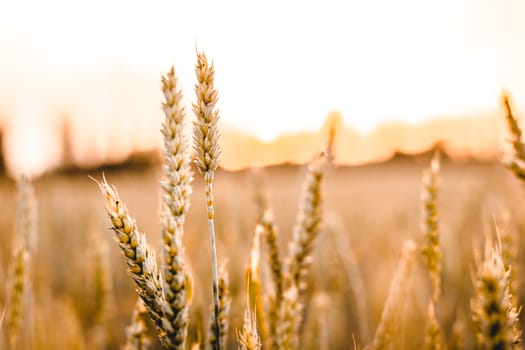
(281, 67)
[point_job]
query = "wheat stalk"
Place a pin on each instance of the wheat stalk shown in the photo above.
(355, 279)
(207, 148)
(387, 328)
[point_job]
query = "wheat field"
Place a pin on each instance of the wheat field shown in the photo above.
(378, 205)
(416, 252)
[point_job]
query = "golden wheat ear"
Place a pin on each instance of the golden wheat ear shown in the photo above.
(175, 194)
(139, 257)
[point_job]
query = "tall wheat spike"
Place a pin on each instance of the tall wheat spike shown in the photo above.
(493, 313)
(387, 330)
(176, 190)
(207, 148)
(19, 308)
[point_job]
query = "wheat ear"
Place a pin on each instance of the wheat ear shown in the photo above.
(308, 223)
(142, 266)
(137, 332)
(494, 316)
(271, 233)
(515, 160)
(19, 307)
(207, 148)
(253, 282)
(431, 247)
(176, 191)
(508, 239)
(387, 328)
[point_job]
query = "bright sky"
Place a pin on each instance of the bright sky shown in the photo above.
(281, 66)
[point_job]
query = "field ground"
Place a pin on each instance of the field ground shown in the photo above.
(379, 207)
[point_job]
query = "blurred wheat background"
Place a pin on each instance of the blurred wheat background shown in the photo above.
(378, 207)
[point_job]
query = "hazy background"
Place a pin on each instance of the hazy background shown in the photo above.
(90, 72)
